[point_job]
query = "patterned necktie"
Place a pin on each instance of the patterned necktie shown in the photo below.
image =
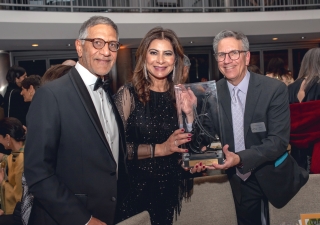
(237, 122)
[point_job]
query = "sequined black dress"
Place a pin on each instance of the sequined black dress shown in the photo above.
(155, 182)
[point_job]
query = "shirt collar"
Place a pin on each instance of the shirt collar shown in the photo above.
(243, 85)
(87, 77)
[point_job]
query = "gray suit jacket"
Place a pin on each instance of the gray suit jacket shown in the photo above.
(69, 166)
(266, 102)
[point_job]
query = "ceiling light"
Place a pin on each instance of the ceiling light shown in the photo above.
(274, 39)
(34, 45)
(191, 42)
(68, 45)
(302, 37)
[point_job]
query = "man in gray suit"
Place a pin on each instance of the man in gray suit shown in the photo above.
(255, 126)
(75, 150)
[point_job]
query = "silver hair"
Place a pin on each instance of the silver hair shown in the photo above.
(228, 33)
(310, 67)
(93, 21)
(186, 61)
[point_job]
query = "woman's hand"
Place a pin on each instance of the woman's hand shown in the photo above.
(199, 167)
(187, 101)
(171, 145)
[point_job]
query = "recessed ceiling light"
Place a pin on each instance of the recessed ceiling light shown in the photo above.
(191, 42)
(274, 39)
(68, 45)
(34, 45)
(302, 37)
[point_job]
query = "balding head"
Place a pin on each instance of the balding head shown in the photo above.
(69, 62)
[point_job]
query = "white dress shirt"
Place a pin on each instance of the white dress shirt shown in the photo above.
(104, 110)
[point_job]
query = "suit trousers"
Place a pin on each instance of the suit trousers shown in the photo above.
(249, 209)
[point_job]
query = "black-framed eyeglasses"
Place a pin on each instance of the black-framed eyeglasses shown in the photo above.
(233, 55)
(99, 43)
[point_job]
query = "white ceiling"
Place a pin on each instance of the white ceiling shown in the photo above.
(56, 30)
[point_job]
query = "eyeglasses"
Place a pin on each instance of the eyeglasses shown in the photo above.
(99, 43)
(233, 55)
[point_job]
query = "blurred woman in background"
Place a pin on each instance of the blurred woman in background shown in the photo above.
(277, 70)
(305, 122)
(12, 136)
(14, 105)
(55, 72)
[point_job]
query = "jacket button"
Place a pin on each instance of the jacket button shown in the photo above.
(113, 199)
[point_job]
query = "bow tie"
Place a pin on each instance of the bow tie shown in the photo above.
(104, 84)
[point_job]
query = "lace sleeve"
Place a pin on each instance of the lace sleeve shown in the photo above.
(124, 102)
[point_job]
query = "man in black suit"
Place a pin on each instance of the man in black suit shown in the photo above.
(255, 125)
(75, 149)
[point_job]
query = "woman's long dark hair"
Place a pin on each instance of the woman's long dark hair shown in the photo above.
(310, 68)
(13, 73)
(277, 67)
(13, 127)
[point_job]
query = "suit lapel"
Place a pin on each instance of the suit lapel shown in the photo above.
(225, 100)
(252, 98)
(88, 105)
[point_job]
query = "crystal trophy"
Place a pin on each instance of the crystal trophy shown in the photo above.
(198, 113)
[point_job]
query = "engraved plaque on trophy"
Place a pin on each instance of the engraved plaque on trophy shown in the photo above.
(198, 113)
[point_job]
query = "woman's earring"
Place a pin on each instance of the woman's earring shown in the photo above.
(145, 71)
(173, 72)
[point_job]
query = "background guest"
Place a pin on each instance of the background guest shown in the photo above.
(150, 119)
(277, 70)
(305, 123)
(254, 69)
(14, 105)
(12, 136)
(29, 87)
(69, 62)
(54, 72)
(307, 86)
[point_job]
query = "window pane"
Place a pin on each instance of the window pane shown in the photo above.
(34, 67)
(255, 60)
(199, 69)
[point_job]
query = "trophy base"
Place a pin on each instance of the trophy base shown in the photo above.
(207, 158)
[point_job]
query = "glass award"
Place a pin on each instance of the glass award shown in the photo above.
(198, 114)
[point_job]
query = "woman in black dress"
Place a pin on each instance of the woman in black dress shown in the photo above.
(14, 105)
(305, 89)
(147, 107)
(307, 86)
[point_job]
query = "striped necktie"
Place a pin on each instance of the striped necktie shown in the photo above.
(237, 122)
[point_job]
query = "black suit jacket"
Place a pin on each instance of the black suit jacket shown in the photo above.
(267, 102)
(69, 166)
